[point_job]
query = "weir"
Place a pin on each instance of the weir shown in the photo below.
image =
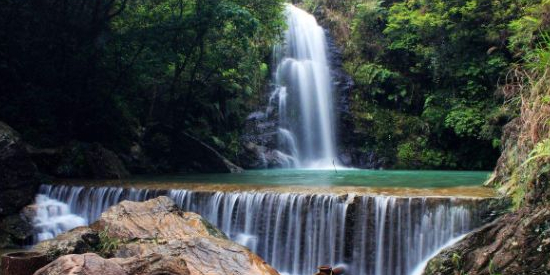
(296, 232)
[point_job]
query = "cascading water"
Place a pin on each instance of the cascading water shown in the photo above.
(373, 235)
(305, 91)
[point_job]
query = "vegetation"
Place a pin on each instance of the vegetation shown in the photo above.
(112, 71)
(120, 71)
(432, 70)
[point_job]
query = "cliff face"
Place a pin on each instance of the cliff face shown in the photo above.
(518, 242)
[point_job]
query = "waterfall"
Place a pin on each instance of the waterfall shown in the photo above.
(304, 88)
(295, 233)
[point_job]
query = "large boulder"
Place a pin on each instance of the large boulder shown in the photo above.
(79, 160)
(92, 264)
(132, 231)
(76, 241)
(516, 243)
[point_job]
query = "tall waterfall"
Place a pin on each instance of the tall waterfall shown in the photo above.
(304, 89)
(295, 233)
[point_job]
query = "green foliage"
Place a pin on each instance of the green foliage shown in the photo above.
(442, 61)
(107, 244)
(104, 70)
(465, 121)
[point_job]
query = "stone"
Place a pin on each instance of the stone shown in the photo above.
(19, 182)
(158, 219)
(20, 178)
(80, 160)
(92, 264)
(78, 240)
(512, 244)
(84, 264)
(155, 235)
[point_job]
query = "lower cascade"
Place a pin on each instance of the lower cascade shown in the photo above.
(295, 233)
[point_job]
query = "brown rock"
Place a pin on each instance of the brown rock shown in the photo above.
(84, 264)
(517, 243)
(93, 264)
(78, 240)
(156, 237)
(153, 264)
(158, 219)
(158, 226)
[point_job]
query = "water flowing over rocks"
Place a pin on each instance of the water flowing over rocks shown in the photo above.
(294, 232)
(309, 90)
(516, 243)
(154, 235)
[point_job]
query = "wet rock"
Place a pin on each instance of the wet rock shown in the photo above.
(78, 240)
(516, 243)
(255, 156)
(79, 160)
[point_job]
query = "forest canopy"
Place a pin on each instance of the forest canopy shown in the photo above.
(101, 71)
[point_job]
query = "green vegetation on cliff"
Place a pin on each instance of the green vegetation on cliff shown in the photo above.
(432, 72)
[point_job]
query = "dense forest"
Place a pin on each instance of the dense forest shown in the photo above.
(123, 72)
(437, 71)
(137, 74)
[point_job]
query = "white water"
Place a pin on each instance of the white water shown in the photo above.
(53, 217)
(295, 233)
(304, 88)
(420, 267)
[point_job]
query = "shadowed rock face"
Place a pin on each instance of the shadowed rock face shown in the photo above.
(152, 235)
(19, 181)
(18, 174)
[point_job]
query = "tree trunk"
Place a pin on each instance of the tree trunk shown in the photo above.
(22, 263)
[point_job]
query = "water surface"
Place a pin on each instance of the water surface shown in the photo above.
(383, 182)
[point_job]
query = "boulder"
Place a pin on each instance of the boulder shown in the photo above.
(76, 241)
(85, 264)
(155, 235)
(158, 219)
(20, 178)
(92, 264)
(79, 160)
(516, 243)
(158, 226)
(19, 182)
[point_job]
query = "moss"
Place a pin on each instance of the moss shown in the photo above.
(212, 230)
